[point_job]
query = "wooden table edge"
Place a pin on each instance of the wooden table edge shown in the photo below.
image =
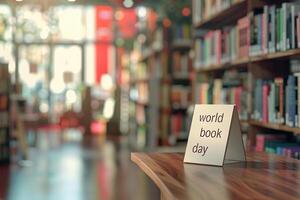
(165, 192)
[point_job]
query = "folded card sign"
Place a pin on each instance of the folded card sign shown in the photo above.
(215, 136)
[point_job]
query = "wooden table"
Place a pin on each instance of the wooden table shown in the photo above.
(263, 176)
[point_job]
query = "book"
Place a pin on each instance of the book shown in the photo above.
(230, 89)
(181, 62)
(180, 96)
(255, 31)
(263, 139)
(243, 29)
(272, 29)
(295, 9)
(197, 11)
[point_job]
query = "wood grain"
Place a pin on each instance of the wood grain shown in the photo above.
(294, 53)
(224, 17)
(278, 127)
(263, 176)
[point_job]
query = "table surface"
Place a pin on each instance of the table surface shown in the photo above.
(263, 176)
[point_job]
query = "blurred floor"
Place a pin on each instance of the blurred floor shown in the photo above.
(66, 170)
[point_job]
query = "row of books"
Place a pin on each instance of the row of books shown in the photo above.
(277, 144)
(4, 81)
(142, 92)
(3, 102)
(206, 8)
(165, 95)
(215, 93)
(231, 89)
(182, 32)
(180, 96)
(141, 136)
(274, 28)
(278, 100)
(216, 47)
(3, 136)
(4, 152)
(4, 112)
(140, 114)
(140, 71)
(179, 125)
(180, 67)
(264, 30)
(269, 103)
(4, 119)
(164, 126)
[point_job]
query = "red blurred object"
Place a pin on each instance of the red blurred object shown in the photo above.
(4, 183)
(167, 22)
(98, 127)
(127, 22)
(104, 23)
(102, 53)
(152, 20)
(104, 33)
(69, 119)
(186, 11)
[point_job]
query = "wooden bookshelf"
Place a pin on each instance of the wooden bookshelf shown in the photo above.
(225, 17)
(5, 113)
(277, 55)
(293, 53)
(224, 66)
(140, 80)
(278, 127)
(182, 45)
(165, 80)
(149, 53)
(265, 67)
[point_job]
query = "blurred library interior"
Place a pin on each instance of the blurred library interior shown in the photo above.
(83, 83)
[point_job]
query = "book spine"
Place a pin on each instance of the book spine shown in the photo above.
(298, 30)
(288, 26)
(298, 98)
(277, 25)
(266, 29)
(272, 31)
(284, 26)
(292, 97)
(265, 105)
(287, 106)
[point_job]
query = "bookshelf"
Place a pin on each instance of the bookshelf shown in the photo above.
(139, 102)
(180, 83)
(258, 40)
(294, 53)
(224, 16)
(278, 127)
(149, 75)
(4, 114)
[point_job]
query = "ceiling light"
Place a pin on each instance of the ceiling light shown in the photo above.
(142, 12)
(128, 3)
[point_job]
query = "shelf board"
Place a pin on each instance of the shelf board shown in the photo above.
(151, 52)
(140, 80)
(179, 109)
(182, 45)
(276, 55)
(141, 103)
(278, 127)
(225, 17)
(252, 59)
(166, 80)
(165, 110)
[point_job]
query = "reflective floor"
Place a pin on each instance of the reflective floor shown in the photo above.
(62, 168)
